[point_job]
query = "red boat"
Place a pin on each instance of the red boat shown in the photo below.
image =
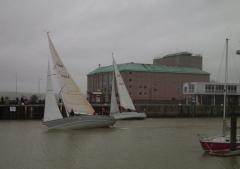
(218, 144)
(221, 145)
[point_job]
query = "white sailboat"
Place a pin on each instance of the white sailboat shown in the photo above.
(74, 101)
(127, 109)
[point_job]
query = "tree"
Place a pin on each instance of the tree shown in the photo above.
(34, 99)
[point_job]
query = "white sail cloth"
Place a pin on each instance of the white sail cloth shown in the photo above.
(114, 105)
(124, 97)
(51, 110)
(72, 97)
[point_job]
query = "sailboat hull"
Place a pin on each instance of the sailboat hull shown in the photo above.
(80, 122)
(129, 115)
(218, 144)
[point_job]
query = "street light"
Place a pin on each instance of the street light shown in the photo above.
(39, 85)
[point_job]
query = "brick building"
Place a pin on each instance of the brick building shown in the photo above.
(146, 83)
(181, 59)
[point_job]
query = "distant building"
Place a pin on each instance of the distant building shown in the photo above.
(211, 93)
(146, 83)
(182, 59)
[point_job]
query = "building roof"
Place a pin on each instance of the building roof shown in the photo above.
(139, 67)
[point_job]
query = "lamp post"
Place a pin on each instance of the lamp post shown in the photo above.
(16, 85)
(39, 87)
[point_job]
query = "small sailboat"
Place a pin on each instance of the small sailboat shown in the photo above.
(223, 145)
(127, 109)
(80, 113)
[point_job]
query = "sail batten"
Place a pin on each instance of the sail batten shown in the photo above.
(72, 96)
(124, 97)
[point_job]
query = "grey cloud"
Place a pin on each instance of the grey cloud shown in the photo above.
(85, 32)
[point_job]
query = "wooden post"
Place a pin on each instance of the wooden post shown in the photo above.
(233, 132)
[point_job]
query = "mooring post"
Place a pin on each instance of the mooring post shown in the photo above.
(233, 133)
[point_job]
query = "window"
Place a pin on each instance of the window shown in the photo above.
(209, 88)
(232, 88)
(185, 89)
(140, 93)
(191, 87)
(129, 80)
(219, 88)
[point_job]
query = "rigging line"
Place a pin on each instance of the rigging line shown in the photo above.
(60, 92)
(219, 78)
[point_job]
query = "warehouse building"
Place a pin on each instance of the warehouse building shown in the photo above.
(146, 83)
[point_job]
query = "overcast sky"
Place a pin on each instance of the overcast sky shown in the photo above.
(86, 32)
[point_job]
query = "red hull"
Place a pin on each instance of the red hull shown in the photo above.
(211, 146)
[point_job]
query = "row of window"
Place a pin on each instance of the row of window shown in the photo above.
(209, 88)
(220, 88)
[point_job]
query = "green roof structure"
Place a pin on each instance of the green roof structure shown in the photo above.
(151, 68)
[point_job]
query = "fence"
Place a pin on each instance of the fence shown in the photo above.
(30, 112)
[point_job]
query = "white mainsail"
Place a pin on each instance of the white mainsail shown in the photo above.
(114, 105)
(124, 98)
(51, 111)
(72, 97)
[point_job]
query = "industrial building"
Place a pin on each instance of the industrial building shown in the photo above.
(146, 83)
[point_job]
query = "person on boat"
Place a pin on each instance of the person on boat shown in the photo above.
(72, 112)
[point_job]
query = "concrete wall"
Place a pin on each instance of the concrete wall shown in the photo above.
(22, 112)
(35, 112)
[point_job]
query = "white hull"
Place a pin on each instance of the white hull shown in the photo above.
(80, 122)
(129, 115)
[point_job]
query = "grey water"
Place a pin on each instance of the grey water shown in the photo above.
(141, 144)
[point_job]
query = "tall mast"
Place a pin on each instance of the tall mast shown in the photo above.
(225, 89)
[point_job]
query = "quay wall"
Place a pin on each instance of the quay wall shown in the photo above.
(35, 111)
(156, 111)
(21, 112)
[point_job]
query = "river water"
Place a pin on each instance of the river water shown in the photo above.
(144, 144)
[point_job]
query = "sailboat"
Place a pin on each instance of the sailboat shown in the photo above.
(222, 145)
(127, 109)
(80, 113)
